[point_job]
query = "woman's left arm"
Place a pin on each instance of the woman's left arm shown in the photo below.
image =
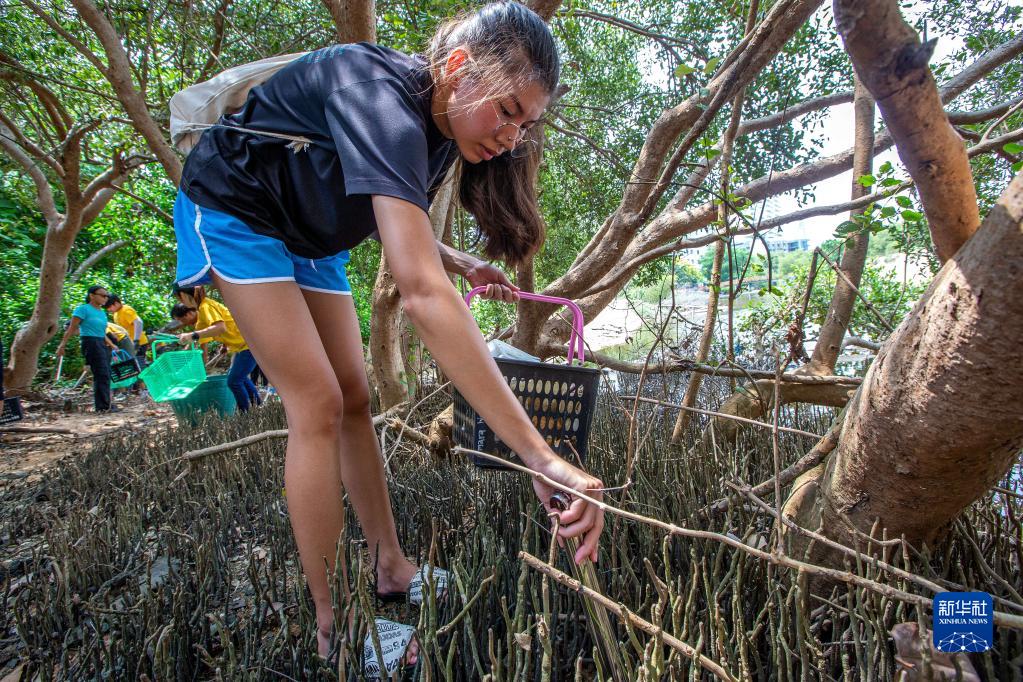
(478, 273)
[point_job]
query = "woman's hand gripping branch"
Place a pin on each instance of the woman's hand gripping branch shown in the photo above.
(582, 518)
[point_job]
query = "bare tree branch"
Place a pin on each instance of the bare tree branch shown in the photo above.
(82, 48)
(106, 193)
(354, 20)
(598, 269)
(545, 8)
(162, 214)
(119, 76)
(754, 52)
(984, 65)
(892, 63)
(93, 259)
(668, 42)
(13, 132)
(625, 269)
(684, 365)
(44, 194)
(793, 112)
(861, 343)
(219, 22)
(981, 115)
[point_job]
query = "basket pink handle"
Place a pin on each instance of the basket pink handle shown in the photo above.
(576, 348)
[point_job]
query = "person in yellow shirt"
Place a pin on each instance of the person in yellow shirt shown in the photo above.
(210, 320)
(125, 316)
(119, 335)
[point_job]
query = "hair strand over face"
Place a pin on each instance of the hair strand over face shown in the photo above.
(509, 47)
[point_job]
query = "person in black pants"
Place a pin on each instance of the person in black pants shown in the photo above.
(90, 321)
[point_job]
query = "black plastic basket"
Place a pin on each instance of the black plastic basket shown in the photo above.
(559, 400)
(124, 369)
(12, 411)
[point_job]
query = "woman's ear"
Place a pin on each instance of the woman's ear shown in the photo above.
(455, 64)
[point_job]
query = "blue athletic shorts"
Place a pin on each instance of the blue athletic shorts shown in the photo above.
(210, 240)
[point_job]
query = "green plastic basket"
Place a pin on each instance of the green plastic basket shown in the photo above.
(211, 394)
(173, 375)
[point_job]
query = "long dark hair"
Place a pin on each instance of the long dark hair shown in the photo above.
(510, 46)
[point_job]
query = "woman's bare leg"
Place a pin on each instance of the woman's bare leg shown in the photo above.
(287, 346)
(277, 325)
(362, 468)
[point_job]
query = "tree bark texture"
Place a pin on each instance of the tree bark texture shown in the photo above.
(854, 257)
(354, 20)
(42, 325)
(936, 422)
(385, 335)
(385, 339)
(892, 62)
(545, 8)
(81, 205)
(756, 400)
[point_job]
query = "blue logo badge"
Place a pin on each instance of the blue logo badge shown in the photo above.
(963, 621)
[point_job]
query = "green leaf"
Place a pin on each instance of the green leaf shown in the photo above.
(846, 228)
(887, 211)
(1013, 147)
(886, 167)
(866, 180)
(711, 153)
(912, 215)
(904, 202)
(684, 70)
(1016, 167)
(711, 65)
(890, 182)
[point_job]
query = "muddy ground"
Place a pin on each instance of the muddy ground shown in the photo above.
(30, 447)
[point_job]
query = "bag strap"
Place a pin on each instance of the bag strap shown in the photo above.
(297, 144)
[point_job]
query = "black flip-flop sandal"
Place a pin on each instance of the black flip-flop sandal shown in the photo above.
(414, 593)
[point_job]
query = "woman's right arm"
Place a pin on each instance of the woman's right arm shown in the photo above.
(215, 329)
(447, 328)
(71, 330)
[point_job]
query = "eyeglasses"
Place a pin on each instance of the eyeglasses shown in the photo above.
(515, 139)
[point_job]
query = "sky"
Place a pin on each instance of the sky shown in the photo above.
(837, 136)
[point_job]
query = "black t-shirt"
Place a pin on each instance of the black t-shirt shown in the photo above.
(366, 110)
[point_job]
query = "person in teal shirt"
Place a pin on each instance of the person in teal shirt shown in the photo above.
(90, 321)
